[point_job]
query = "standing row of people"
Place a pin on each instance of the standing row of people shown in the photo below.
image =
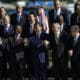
(24, 39)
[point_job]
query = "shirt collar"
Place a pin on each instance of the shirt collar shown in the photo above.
(58, 34)
(77, 36)
(7, 26)
(19, 14)
(18, 35)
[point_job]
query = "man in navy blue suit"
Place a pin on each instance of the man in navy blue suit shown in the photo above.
(74, 51)
(19, 18)
(57, 11)
(38, 52)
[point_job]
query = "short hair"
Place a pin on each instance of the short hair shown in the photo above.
(76, 4)
(38, 24)
(75, 28)
(32, 13)
(56, 23)
(3, 8)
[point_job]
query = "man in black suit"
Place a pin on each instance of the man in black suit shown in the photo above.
(16, 56)
(74, 51)
(63, 26)
(19, 18)
(38, 52)
(75, 17)
(6, 31)
(3, 51)
(57, 11)
(32, 21)
(58, 41)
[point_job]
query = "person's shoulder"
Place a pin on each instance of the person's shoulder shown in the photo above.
(50, 11)
(73, 14)
(12, 15)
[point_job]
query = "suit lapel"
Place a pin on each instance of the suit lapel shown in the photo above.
(78, 41)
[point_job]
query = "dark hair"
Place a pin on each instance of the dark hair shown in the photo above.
(59, 17)
(38, 24)
(32, 14)
(75, 28)
(76, 4)
(1, 8)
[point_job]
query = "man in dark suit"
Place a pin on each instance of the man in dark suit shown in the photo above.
(3, 51)
(2, 15)
(58, 41)
(57, 11)
(75, 17)
(7, 29)
(63, 26)
(38, 52)
(74, 51)
(19, 18)
(32, 21)
(16, 55)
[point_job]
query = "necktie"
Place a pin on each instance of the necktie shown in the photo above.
(57, 40)
(17, 40)
(74, 42)
(37, 39)
(18, 18)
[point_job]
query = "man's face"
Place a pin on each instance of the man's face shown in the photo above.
(18, 29)
(37, 29)
(19, 8)
(78, 10)
(31, 18)
(3, 12)
(55, 28)
(60, 19)
(73, 33)
(57, 4)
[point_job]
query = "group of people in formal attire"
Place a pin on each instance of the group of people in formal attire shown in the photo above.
(26, 38)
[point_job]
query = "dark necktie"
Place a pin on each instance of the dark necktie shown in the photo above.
(74, 42)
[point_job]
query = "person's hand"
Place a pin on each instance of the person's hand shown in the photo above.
(26, 42)
(46, 43)
(70, 53)
(0, 41)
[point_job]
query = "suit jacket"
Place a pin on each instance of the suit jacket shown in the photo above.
(4, 33)
(60, 50)
(28, 33)
(76, 48)
(53, 16)
(74, 20)
(65, 28)
(23, 21)
(38, 51)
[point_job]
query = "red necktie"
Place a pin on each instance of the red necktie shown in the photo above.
(17, 40)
